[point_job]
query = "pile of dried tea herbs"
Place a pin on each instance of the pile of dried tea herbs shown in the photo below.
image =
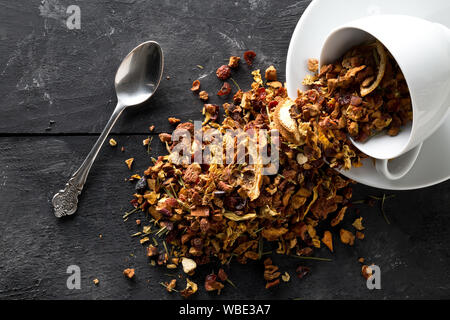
(366, 92)
(199, 213)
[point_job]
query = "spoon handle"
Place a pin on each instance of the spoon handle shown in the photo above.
(66, 200)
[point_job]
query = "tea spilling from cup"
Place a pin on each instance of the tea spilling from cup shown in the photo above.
(421, 49)
(370, 91)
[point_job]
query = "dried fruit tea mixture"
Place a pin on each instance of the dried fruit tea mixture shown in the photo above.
(199, 213)
(369, 91)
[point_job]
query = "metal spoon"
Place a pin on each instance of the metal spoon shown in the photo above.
(136, 81)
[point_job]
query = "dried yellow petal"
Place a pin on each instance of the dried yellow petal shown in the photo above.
(129, 162)
(112, 142)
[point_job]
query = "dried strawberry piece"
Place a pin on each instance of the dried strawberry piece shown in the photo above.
(249, 56)
(171, 203)
(225, 90)
(211, 283)
(272, 104)
(195, 86)
(165, 212)
(262, 93)
(223, 72)
(222, 275)
(134, 203)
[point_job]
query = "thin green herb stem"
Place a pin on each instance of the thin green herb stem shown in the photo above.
(235, 83)
(313, 258)
(230, 282)
(129, 213)
(165, 286)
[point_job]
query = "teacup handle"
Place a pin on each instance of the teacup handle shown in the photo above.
(397, 168)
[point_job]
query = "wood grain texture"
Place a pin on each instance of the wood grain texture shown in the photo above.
(51, 73)
(412, 252)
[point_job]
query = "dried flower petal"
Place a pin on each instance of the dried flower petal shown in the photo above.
(347, 237)
(129, 162)
(328, 240)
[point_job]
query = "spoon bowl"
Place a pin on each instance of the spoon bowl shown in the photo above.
(139, 74)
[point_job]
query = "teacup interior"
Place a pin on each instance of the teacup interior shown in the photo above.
(380, 146)
(383, 146)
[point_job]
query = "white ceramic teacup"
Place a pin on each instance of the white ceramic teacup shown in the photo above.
(422, 50)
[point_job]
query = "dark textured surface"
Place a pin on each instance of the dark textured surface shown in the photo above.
(51, 73)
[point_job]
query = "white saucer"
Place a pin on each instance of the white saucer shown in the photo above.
(318, 20)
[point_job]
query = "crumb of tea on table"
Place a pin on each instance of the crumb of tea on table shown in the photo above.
(134, 177)
(170, 286)
(357, 224)
(151, 128)
(195, 86)
(146, 141)
(112, 142)
(271, 273)
(129, 162)
(129, 273)
(173, 120)
(249, 56)
(225, 90)
(328, 240)
(165, 137)
(271, 74)
(234, 62)
(347, 237)
(366, 271)
(286, 277)
(203, 95)
(96, 281)
(223, 72)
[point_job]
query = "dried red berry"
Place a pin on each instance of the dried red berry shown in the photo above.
(223, 72)
(225, 90)
(272, 104)
(211, 283)
(249, 56)
(262, 93)
(195, 86)
(222, 275)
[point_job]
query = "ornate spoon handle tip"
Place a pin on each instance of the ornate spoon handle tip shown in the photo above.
(65, 201)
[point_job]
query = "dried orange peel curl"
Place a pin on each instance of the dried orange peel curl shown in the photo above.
(381, 69)
(285, 124)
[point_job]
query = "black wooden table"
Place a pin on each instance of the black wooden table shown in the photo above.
(56, 94)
